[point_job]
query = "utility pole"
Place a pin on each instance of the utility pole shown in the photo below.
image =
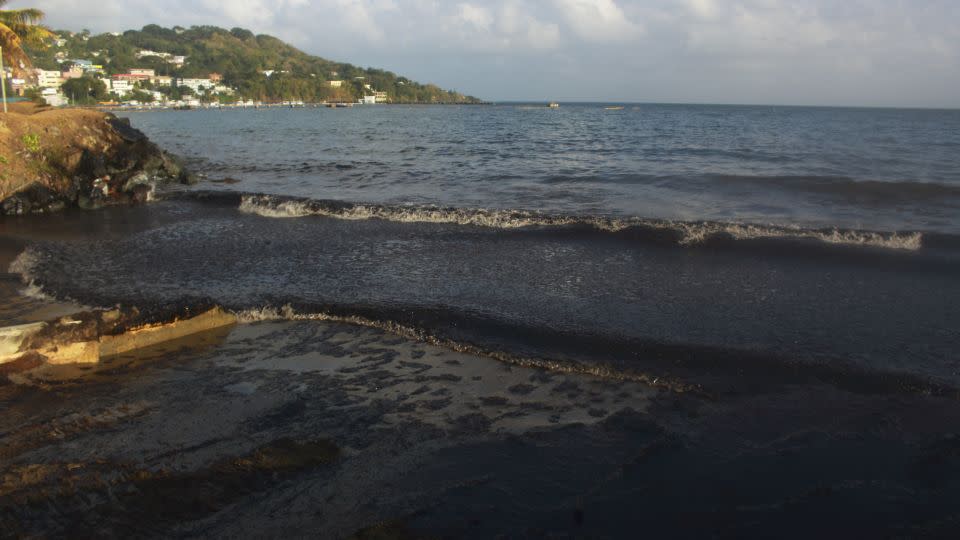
(3, 81)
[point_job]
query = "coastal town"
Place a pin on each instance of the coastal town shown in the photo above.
(146, 87)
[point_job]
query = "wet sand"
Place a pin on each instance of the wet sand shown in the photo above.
(321, 429)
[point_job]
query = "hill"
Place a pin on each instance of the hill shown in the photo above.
(259, 67)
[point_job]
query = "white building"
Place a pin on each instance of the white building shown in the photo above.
(197, 85)
(48, 79)
(53, 97)
(336, 84)
(147, 52)
(121, 87)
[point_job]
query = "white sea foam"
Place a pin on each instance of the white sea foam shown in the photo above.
(688, 233)
(24, 265)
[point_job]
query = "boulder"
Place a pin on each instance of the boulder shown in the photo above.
(87, 159)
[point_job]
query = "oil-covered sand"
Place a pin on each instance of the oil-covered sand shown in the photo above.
(321, 429)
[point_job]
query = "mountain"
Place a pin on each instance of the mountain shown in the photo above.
(242, 58)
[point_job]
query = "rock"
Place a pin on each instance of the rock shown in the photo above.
(138, 179)
(141, 193)
(103, 161)
(35, 198)
(189, 178)
(172, 165)
(92, 165)
(125, 130)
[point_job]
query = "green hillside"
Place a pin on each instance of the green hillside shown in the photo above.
(241, 57)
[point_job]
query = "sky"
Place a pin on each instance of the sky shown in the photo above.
(790, 52)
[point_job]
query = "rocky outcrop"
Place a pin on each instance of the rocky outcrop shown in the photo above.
(57, 159)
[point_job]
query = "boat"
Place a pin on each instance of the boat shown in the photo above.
(616, 108)
(554, 105)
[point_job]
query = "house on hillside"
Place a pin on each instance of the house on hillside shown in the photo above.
(197, 85)
(335, 84)
(75, 72)
(53, 97)
(147, 52)
(120, 85)
(18, 86)
(48, 79)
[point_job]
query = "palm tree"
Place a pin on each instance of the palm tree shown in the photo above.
(19, 28)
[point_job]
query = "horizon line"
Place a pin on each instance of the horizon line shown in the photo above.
(574, 101)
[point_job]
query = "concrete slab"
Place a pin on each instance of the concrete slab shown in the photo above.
(152, 335)
(11, 337)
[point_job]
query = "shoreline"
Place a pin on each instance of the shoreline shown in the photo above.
(275, 427)
(348, 422)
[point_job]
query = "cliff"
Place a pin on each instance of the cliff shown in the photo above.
(54, 159)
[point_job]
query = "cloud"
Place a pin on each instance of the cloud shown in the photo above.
(598, 20)
(771, 51)
(477, 16)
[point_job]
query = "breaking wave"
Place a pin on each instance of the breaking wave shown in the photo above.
(681, 232)
(24, 265)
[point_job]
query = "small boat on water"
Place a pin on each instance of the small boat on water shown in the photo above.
(616, 108)
(554, 105)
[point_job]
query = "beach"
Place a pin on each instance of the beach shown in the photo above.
(421, 345)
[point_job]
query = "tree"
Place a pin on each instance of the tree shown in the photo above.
(141, 96)
(19, 28)
(84, 90)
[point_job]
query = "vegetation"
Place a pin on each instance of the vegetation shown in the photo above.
(19, 29)
(85, 90)
(260, 67)
(31, 141)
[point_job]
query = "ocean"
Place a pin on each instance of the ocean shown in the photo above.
(686, 320)
(671, 242)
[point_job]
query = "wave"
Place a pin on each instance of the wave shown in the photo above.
(702, 370)
(24, 265)
(408, 331)
(684, 233)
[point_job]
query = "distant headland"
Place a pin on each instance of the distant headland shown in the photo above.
(204, 65)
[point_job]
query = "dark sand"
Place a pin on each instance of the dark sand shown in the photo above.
(314, 429)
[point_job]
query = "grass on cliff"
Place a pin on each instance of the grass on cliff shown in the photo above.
(39, 144)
